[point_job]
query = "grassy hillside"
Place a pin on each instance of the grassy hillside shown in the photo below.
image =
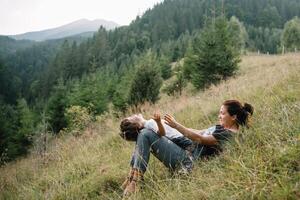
(262, 163)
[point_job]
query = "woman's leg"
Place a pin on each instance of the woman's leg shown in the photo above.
(165, 150)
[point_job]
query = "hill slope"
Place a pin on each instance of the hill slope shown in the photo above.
(262, 163)
(73, 28)
(9, 45)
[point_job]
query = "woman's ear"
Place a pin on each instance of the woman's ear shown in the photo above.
(234, 118)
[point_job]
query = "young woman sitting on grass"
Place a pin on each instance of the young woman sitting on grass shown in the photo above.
(175, 145)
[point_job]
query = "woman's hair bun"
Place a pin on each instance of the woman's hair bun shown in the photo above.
(249, 108)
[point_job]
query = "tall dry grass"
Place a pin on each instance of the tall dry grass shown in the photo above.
(261, 163)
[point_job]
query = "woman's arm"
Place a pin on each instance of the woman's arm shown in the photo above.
(191, 133)
(197, 131)
(161, 129)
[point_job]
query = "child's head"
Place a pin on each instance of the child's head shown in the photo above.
(131, 126)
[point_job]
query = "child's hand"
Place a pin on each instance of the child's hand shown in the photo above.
(161, 130)
(156, 117)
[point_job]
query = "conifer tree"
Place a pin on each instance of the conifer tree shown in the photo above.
(213, 57)
(176, 85)
(146, 82)
(26, 118)
(238, 33)
(291, 35)
(56, 107)
(166, 69)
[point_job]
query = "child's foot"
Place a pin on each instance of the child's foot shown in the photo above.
(131, 188)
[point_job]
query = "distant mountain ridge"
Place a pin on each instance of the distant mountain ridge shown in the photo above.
(73, 28)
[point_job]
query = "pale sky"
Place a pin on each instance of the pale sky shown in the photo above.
(20, 16)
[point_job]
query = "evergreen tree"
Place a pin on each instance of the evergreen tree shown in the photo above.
(265, 40)
(23, 136)
(176, 85)
(291, 35)
(238, 33)
(176, 53)
(71, 68)
(119, 101)
(146, 82)
(166, 69)
(26, 119)
(62, 65)
(9, 145)
(214, 58)
(56, 107)
(269, 17)
(10, 84)
(91, 92)
(100, 49)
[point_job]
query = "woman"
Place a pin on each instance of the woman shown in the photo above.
(202, 143)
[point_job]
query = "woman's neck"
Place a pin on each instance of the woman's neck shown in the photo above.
(233, 128)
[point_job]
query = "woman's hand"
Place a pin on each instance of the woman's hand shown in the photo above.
(170, 121)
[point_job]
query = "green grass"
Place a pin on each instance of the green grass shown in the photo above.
(261, 163)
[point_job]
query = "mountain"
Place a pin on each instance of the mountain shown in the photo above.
(73, 28)
(10, 46)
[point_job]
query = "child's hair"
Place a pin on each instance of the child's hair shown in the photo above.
(243, 113)
(129, 130)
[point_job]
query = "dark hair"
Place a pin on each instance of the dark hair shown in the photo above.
(129, 130)
(242, 112)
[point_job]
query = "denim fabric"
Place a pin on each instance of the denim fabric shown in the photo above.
(170, 154)
(183, 142)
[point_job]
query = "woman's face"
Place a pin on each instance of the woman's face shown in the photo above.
(225, 119)
(136, 118)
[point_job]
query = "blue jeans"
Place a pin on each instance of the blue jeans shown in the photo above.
(170, 154)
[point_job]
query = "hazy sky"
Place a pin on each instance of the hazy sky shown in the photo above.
(20, 16)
